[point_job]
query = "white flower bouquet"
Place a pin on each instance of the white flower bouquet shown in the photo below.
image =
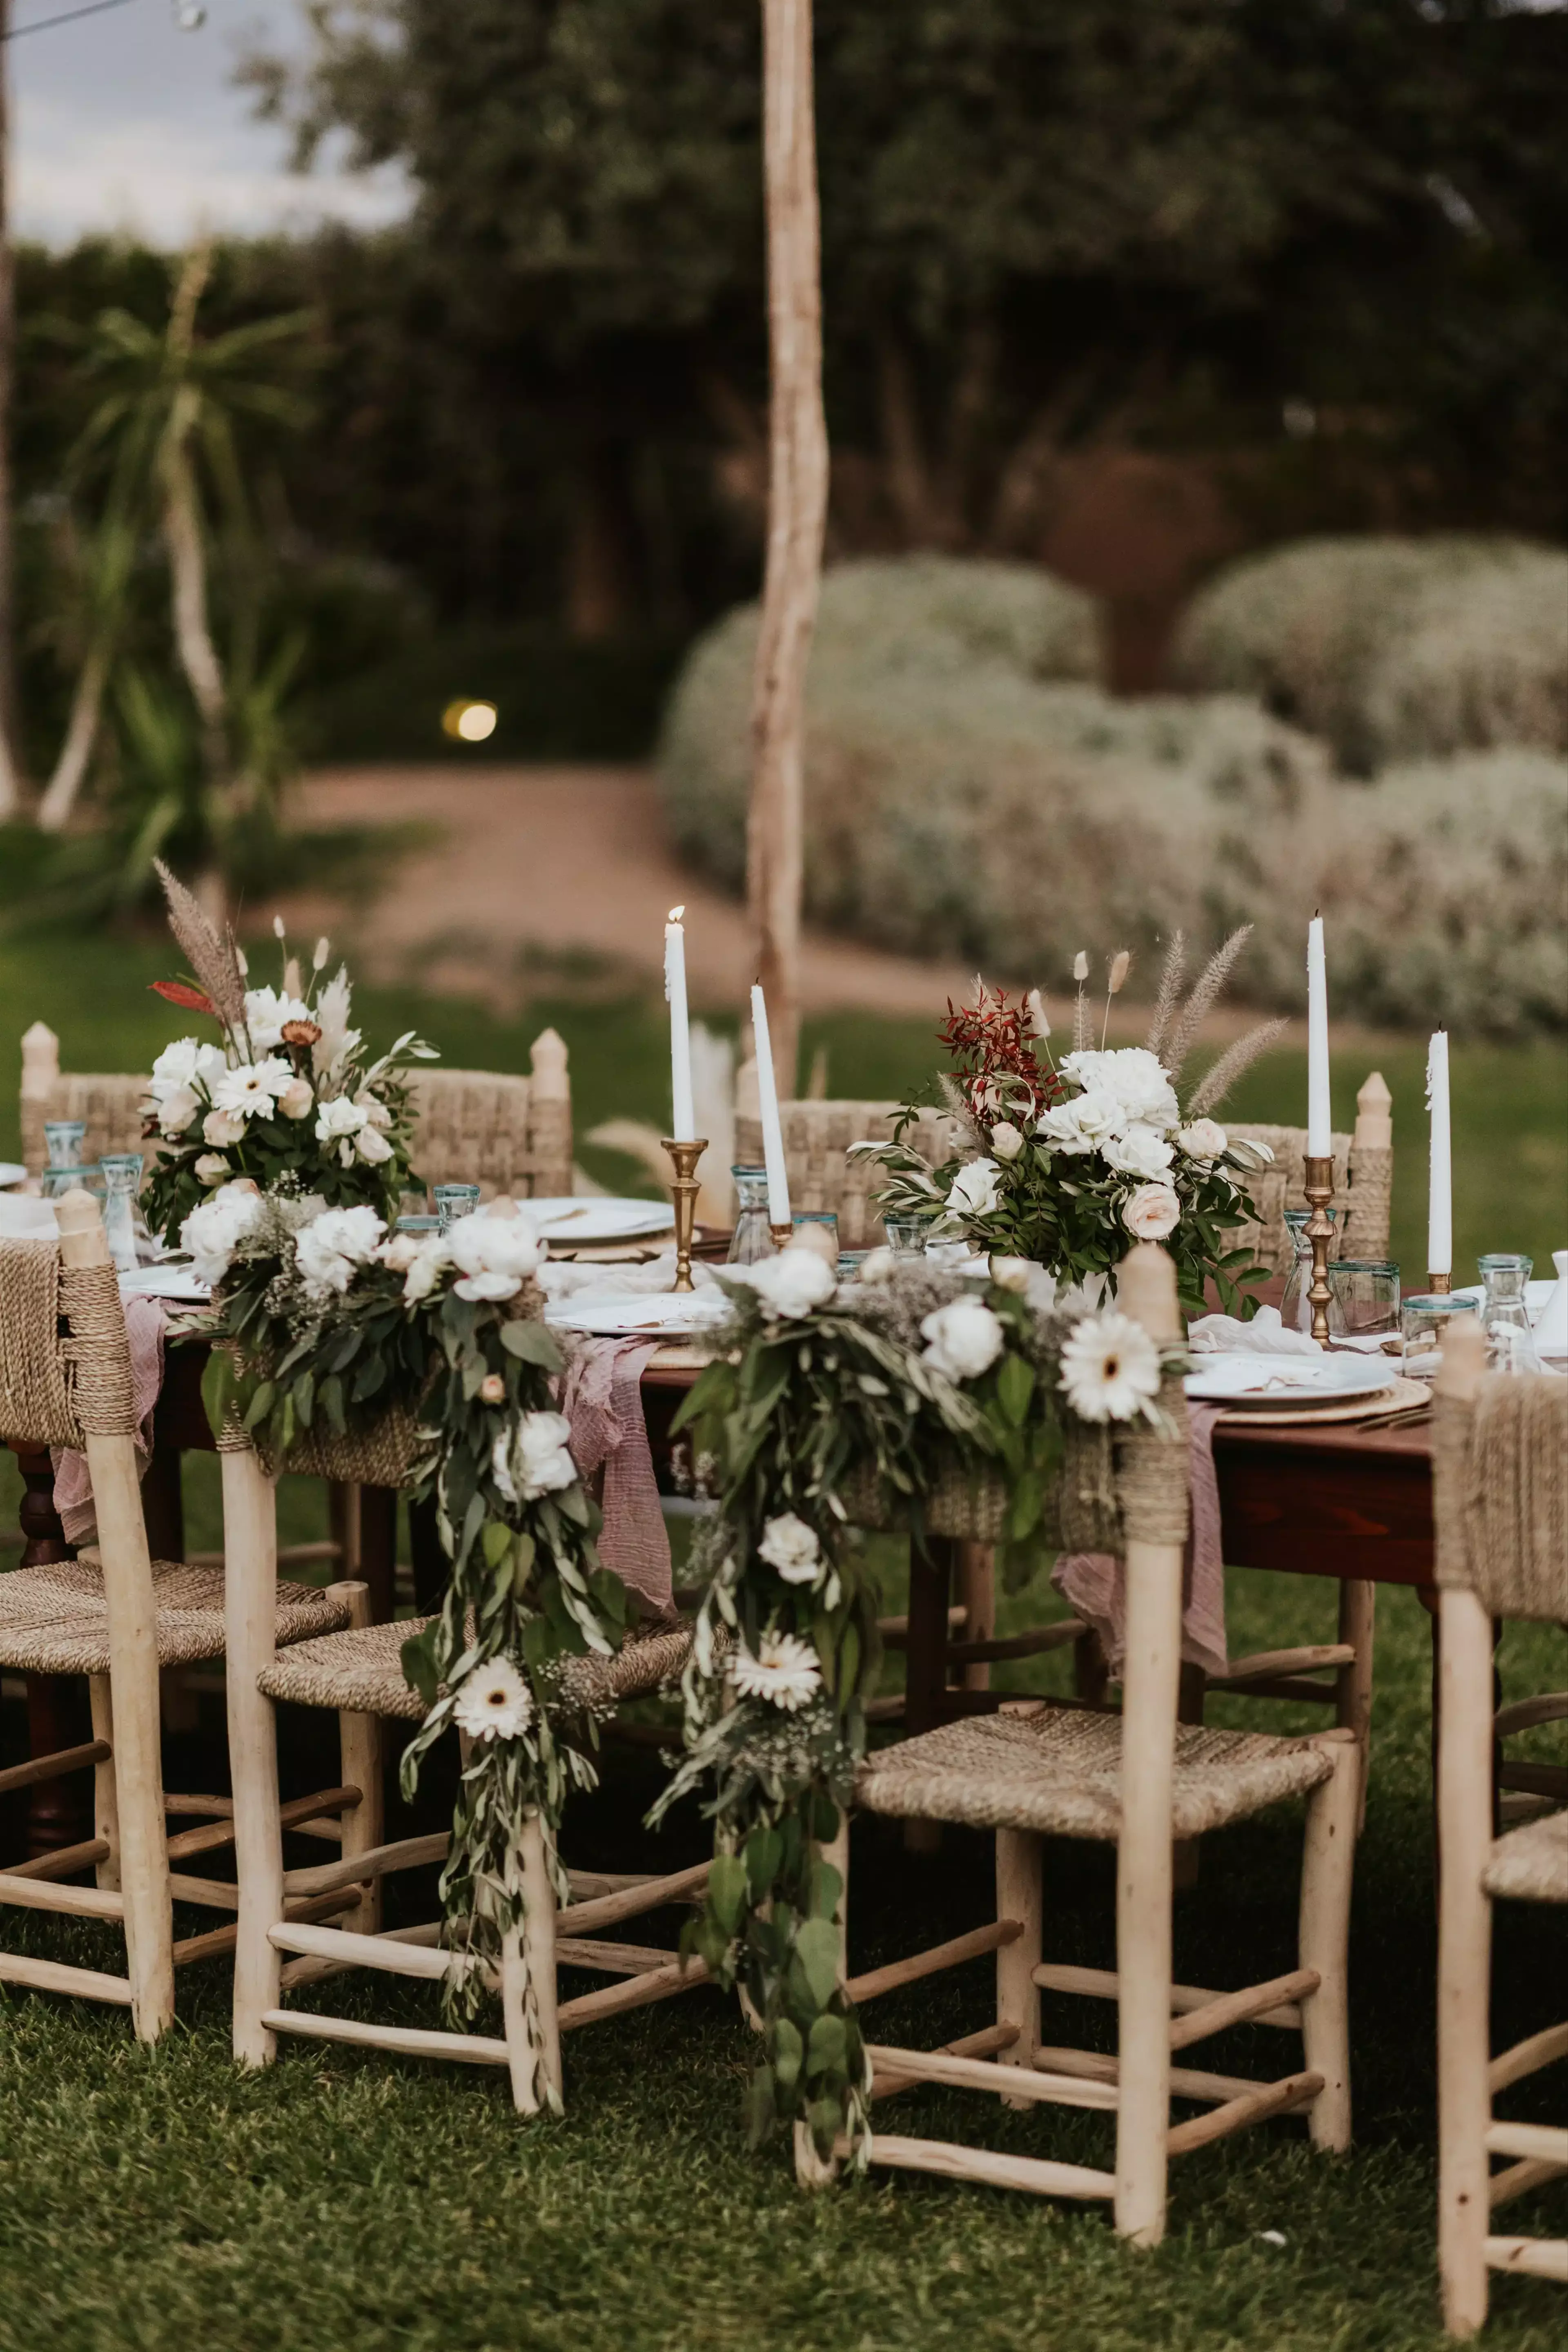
(286, 1101)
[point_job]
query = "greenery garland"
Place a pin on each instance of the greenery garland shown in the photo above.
(907, 1377)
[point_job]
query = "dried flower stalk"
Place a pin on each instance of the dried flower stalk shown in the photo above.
(213, 961)
(1173, 972)
(1207, 988)
(1217, 1082)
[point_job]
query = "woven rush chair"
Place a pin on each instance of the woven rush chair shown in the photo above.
(506, 1134)
(816, 1136)
(359, 1675)
(65, 1380)
(110, 1102)
(1500, 1481)
(1136, 1780)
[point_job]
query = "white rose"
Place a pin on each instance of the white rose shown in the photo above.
(337, 1119)
(372, 1146)
(962, 1340)
(216, 1226)
(1142, 1151)
(329, 1250)
(376, 1112)
(1150, 1213)
(974, 1191)
(1134, 1077)
(794, 1282)
(296, 1098)
(1203, 1139)
(266, 1011)
(1006, 1142)
(179, 1106)
(222, 1128)
(185, 1063)
(532, 1458)
(791, 1546)
(212, 1167)
(494, 1250)
(1081, 1124)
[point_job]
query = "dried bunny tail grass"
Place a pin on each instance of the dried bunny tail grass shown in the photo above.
(212, 959)
(1217, 1082)
(953, 1095)
(1173, 972)
(1207, 987)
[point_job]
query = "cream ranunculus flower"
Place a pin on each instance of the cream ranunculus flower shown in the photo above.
(1142, 1151)
(1150, 1213)
(1007, 1141)
(1110, 1368)
(791, 1546)
(296, 1098)
(962, 1340)
(221, 1128)
(975, 1190)
(212, 1167)
(371, 1145)
(793, 1283)
(493, 1702)
(1203, 1139)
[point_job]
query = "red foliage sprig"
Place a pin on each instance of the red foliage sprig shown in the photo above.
(992, 1043)
(180, 993)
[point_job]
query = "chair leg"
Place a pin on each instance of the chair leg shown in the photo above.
(250, 1586)
(1464, 1960)
(528, 1985)
(361, 1749)
(976, 1586)
(1020, 1895)
(1328, 1869)
(1143, 1888)
(105, 1799)
(1353, 1685)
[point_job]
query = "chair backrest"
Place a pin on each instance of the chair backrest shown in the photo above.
(1363, 1183)
(504, 1132)
(1499, 1476)
(817, 1135)
(65, 1360)
(109, 1102)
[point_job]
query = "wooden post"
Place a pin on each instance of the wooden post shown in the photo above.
(1333, 1813)
(797, 514)
(105, 1801)
(250, 1620)
(528, 1965)
(361, 1767)
(1021, 1896)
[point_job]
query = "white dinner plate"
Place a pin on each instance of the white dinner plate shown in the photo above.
(1287, 1381)
(11, 1172)
(590, 1224)
(622, 1313)
(175, 1282)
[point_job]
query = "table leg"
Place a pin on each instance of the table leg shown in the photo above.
(925, 1660)
(976, 1586)
(1352, 1683)
(58, 1713)
(378, 1549)
(431, 1565)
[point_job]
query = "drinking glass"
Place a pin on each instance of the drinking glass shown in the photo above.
(419, 1225)
(1296, 1307)
(1505, 1318)
(454, 1200)
(1424, 1318)
(63, 1141)
(752, 1239)
(907, 1235)
(122, 1182)
(1366, 1296)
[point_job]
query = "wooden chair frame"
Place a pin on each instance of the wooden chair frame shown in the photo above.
(1158, 2018)
(1468, 2077)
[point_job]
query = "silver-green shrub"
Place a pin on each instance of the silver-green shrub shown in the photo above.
(1391, 649)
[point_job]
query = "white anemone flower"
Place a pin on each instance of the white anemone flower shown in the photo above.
(493, 1702)
(1110, 1368)
(791, 1546)
(785, 1671)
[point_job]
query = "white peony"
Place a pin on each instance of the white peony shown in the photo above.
(1132, 1076)
(791, 1546)
(330, 1249)
(793, 1283)
(1007, 1141)
(399, 1251)
(1203, 1139)
(222, 1128)
(975, 1192)
(1084, 1123)
(493, 1702)
(1110, 1368)
(962, 1340)
(1142, 1151)
(215, 1227)
(296, 1098)
(532, 1457)
(429, 1262)
(494, 1250)
(251, 1091)
(266, 1011)
(1150, 1213)
(785, 1671)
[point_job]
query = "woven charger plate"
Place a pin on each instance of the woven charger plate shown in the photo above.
(1401, 1396)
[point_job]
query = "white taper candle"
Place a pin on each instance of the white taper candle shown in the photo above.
(1320, 1125)
(685, 1125)
(1441, 1181)
(768, 1104)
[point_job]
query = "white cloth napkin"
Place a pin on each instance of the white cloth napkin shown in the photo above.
(1264, 1336)
(562, 1279)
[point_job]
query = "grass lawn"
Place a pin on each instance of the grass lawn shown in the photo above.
(149, 2200)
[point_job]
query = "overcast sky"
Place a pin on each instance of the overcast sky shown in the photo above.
(123, 122)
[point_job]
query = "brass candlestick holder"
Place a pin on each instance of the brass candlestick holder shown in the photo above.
(1439, 1286)
(684, 1193)
(782, 1235)
(1318, 1232)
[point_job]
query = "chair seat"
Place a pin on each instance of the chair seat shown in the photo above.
(1059, 1772)
(54, 1619)
(360, 1672)
(1531, 1864)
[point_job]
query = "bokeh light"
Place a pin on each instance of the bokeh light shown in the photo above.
(469, 723)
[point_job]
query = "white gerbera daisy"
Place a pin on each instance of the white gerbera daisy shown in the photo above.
(785, 1671)
(252, 1090)
(493, 1702)
(1110, 1368)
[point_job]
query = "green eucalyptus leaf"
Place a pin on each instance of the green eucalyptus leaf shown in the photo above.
(817, 1951)
(825, 2049)
(726, 1890)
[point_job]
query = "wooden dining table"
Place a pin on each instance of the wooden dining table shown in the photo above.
(1342, 1502)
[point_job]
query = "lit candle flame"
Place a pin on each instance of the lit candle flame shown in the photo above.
(674, 914)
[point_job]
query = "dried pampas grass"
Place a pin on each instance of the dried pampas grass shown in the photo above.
(1217, 1082)
(215, 962)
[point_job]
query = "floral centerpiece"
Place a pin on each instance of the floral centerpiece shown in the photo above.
(286, 1101)
(901, 1380)
(1065, 1161)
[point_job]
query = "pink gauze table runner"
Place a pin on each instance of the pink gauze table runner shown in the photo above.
(601, 1397)
(73, 1488)
(1094, 1586)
